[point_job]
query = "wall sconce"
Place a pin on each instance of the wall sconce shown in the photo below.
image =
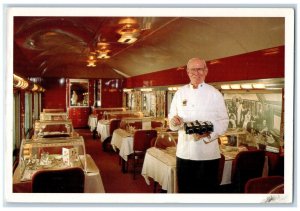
(172, 88)
(146, 89)
(225, 86)
(127, 90)
(35, 87)
(20, 82)
(246, 86)
(243, 86)
(258, 86)
(235, 86)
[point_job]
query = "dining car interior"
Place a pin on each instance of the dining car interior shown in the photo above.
(92, 94)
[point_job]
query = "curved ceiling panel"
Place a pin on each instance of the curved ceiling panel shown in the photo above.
(61, 46)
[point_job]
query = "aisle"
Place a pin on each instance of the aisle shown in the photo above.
(114, 180)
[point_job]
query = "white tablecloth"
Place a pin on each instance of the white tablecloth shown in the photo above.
(92, 122)
(161, 166)
(93, 182)
(103, 129)
(123, 141)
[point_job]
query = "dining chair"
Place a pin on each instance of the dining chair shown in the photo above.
(263, 184)
(277, 189)
(137, 125)
(275, 164)
(113, 125)
(164, 140)
(70, 180)
(156, 124)
(245, 166)
(141, 142)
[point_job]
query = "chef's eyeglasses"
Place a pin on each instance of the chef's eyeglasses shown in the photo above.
(196, 69)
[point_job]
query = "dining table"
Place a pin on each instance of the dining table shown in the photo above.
(22, 179)
(92, 123)
(103, 127)
(122, 141)
(160, 165)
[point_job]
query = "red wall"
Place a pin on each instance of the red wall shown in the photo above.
(55, 94)
(255, 65)
(112, 93)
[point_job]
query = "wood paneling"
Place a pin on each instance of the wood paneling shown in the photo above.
(112, 93)
(79, 116)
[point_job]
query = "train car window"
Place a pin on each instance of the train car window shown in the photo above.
(16, 128)
(28, 113)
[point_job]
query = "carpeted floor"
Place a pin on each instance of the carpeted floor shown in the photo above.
(114, 180)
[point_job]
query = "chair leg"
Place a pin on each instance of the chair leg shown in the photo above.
(134, 164)
(155, 186)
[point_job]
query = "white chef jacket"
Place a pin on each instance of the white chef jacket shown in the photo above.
(204, 103)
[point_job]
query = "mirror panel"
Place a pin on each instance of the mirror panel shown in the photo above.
(79, 92)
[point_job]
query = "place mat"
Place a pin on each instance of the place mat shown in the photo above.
(55, 162)
(123, 133)
(104, 122)
(162, 155)
(230, 155)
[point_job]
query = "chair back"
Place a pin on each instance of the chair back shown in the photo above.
(69, 180)
(164, 140)
(275, 163)
(142, 139)
(245, 166)
(137, 124)
(155, 124)
(277, 189)
(263, 184)
(113, 125)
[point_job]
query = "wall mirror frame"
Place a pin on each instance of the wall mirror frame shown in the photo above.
(79, 93)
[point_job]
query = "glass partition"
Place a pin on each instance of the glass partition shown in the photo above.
(53, 128)
(53, 153)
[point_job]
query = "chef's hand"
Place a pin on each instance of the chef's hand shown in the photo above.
(197, 136)
(176, 121)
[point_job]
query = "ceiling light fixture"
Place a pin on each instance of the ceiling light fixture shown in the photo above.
(91, 62)
(102, 55)
(127, 38)
(129, 30)
(103, 50)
